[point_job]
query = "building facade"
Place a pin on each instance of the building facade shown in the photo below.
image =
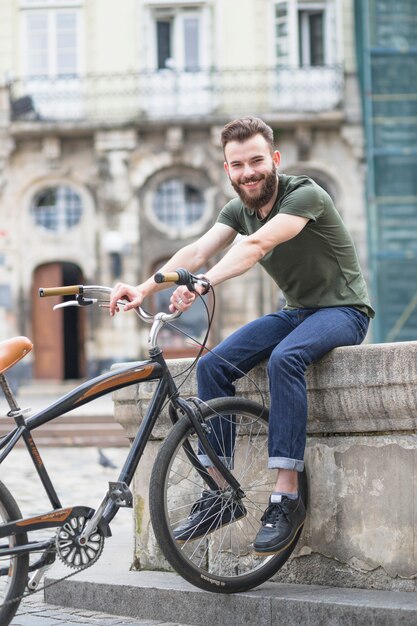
(110, 156)
(387, 51)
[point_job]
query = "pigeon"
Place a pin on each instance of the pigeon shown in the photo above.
(104, 460)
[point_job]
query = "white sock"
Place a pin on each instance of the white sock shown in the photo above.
(277, 496)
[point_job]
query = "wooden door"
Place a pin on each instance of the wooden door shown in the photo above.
(58, 336)
(48, 336)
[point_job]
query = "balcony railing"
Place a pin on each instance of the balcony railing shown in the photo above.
(167, 94)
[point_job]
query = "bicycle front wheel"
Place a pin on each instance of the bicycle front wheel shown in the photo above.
(222, 559)
(13, 569)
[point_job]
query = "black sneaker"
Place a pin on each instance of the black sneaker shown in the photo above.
(280, 524)
(207, 514)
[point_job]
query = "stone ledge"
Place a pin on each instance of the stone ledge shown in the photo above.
(361, 528)
(358, 389)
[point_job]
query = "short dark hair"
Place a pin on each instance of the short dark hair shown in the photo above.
(244, 128)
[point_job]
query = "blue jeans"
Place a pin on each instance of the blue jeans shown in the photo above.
(292, 340)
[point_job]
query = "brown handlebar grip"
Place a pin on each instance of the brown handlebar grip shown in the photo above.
(70, 290)
(166, 277)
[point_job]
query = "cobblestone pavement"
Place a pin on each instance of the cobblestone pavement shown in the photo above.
(36, 613)
(75, 472)
(79, 479)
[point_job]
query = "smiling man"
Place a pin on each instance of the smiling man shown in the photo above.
(293, 230)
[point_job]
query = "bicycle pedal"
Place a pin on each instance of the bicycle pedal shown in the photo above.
(120, 493)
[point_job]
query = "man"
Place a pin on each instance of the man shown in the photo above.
(293, 229)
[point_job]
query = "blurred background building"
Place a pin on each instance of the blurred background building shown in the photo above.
(387, 62)
(110, 117)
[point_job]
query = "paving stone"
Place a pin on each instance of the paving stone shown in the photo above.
(74, 485)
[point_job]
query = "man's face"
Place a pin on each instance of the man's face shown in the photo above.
(252, 170)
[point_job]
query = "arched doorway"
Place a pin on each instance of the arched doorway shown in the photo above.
(58, 336)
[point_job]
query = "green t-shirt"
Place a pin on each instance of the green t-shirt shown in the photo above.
(317, 268)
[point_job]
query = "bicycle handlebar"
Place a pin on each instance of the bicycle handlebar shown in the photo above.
(183, 277)
(70, 290)
(180, 277)
(98, 294)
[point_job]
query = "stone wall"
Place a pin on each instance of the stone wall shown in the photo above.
(361, 529)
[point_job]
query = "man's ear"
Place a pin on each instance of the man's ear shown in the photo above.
(276, 158)
(226, 167)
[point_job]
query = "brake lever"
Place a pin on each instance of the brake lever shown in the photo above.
(63, 305)
(78, 302)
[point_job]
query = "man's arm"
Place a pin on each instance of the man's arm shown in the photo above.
(192, 257)
(248, 252)
(241, 257)
(197, 254)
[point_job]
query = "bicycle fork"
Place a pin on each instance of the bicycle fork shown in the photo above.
(193, 411)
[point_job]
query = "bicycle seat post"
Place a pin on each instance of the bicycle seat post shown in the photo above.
(8, 393)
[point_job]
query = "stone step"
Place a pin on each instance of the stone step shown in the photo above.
(113, 587)
(164, 596)
(48, 387)
(75, 430)
(89, 425)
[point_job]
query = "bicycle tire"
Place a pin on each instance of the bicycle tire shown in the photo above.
(12, 583)
(222, 561)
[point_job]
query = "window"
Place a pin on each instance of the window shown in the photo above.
(307, 52)
(37, 55)
(191, 43)
(177, 57)
(311, 34)
(164, 44)
(66, 40)
(304, 33)
(57, 208)
(178, 204)
(281, 33)
(52, 43)
(52, 53)
(178, 39)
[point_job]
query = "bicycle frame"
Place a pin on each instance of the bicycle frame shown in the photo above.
(153, 369)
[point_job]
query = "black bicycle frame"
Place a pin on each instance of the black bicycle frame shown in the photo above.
(131, 374)
(154, 369)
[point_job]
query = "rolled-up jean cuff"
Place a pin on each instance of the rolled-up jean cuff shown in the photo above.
(204, 460)
(280, 462)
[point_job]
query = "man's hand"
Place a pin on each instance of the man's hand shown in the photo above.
(181, 299)
(133, 295)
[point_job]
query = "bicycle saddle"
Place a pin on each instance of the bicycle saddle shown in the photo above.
(12, 350)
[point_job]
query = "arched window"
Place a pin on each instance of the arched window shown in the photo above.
(57, 208)
(178, 204)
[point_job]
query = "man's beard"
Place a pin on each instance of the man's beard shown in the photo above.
(266, 193)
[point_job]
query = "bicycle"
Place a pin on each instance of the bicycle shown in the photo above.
(222, 560)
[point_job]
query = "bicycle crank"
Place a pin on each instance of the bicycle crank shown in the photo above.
(73, 552)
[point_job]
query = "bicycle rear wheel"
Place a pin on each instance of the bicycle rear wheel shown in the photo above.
(222, 560)
(13, 569)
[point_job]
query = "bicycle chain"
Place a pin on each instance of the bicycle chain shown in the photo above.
(27, 594)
